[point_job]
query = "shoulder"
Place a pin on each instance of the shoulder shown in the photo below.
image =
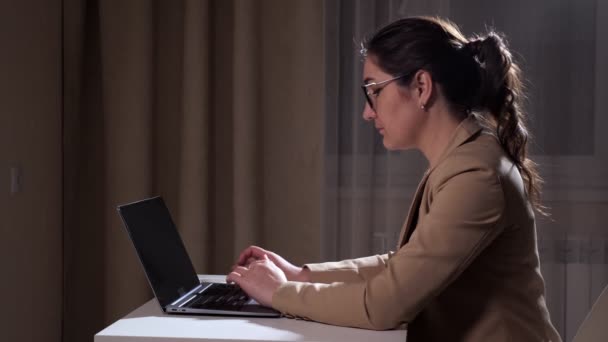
(465, 188)
(482, 155)
(476, 168)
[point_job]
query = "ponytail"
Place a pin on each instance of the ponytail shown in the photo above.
(499, 98)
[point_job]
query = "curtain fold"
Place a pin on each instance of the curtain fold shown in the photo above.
(192, 208)
(246, 127)
(173, 98)
(127, 94)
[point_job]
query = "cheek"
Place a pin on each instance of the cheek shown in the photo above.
(406, 126)
(402, 120)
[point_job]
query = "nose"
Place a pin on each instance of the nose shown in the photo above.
(368, 113)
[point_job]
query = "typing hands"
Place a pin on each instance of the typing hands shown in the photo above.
(260, 273)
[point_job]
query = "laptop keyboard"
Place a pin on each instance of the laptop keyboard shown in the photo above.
(220, 296)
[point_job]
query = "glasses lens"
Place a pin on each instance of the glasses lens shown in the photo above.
(368, 98)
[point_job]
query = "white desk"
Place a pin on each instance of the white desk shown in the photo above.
(148, 323)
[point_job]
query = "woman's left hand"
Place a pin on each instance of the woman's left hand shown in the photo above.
(259, 280)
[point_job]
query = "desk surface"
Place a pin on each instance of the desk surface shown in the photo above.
(148, 323)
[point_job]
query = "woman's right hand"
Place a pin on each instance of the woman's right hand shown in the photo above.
(292, 272)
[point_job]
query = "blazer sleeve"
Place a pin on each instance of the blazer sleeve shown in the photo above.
(352, 270)
(463, 218)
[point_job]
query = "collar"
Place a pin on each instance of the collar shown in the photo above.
(463, 132)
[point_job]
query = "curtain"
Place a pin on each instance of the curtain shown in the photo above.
(559, 45)
(216, 106)
(367, 188)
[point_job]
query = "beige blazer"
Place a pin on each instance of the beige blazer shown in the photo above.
(467, 266)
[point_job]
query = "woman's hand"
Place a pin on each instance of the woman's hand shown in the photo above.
(259, 280)
(255, 253)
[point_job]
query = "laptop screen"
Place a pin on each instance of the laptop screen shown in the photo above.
(160, 249)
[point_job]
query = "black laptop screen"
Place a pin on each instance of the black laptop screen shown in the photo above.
(160, 249)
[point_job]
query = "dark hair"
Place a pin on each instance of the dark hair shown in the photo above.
(477, 77)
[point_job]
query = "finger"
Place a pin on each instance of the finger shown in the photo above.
(259, 261)
(234, 277)
(234, 267)
(245, 255)
(254, 252)
(240, 270)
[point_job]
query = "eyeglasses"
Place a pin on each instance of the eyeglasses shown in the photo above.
(372, 94)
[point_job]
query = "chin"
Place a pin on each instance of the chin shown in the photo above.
(396, 147)
(388, 146)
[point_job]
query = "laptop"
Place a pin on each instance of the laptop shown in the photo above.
(170, 271)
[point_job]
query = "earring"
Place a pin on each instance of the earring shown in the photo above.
(423, 107)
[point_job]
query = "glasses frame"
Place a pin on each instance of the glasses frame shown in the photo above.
(368, 92)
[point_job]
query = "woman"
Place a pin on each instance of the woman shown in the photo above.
(467, 266)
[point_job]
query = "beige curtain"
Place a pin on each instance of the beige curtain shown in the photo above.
(216, 106)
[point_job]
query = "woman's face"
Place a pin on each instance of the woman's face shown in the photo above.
(396, 114)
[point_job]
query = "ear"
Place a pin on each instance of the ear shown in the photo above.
(423, 87)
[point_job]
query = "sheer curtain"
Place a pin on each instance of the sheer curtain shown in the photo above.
(559, 46)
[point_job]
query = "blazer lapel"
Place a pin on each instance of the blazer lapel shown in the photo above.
(467, 128)
(413, 212)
